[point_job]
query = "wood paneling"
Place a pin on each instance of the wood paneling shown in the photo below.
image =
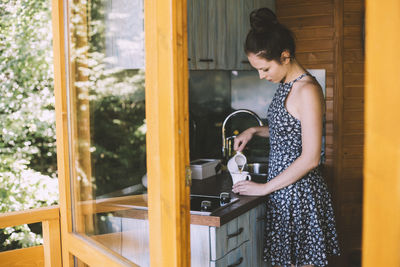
(351, 180)
(353, 18)
(28, 257)
(315, 56)
(329, 36)
(307, 10)
(353, 55)
(310, 21)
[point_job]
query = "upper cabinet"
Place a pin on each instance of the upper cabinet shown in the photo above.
(217, 30)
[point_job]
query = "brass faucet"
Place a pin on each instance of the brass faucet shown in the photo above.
(227, 141)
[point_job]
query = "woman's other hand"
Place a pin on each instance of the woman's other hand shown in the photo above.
(242, 139)
(249, 188)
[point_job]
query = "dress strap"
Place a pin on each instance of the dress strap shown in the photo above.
(298, 78)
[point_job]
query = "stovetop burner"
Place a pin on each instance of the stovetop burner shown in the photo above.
(205, 205)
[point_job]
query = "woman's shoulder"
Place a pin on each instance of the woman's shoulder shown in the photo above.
(307, 86)
(308, 93)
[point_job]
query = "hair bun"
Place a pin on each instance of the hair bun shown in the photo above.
(263, 20)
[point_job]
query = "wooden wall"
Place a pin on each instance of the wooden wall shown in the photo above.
(329, 36)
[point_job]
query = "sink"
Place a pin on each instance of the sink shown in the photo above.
(257, 168)
(214, 204)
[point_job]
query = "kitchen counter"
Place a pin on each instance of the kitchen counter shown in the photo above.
(231, 235)
(213, 186)
(135, 206)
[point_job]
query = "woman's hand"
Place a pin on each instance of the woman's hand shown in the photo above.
(242, 139)
(249, 188)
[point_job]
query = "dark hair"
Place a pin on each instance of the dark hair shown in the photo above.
(268, 38)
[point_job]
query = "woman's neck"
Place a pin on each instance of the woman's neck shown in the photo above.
(294, 70)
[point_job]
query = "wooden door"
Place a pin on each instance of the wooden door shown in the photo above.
(381, 214)
(113, 117)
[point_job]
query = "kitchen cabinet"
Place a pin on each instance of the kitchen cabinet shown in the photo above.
(238, 241)
(257, 217)
(217, 30)
(237, 257)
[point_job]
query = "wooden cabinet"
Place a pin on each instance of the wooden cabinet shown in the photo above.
(217, 30)
(237, 257)
(229, 236)
(236, 243)
(257, 217)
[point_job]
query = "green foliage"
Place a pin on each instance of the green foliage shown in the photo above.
(119, 132)
(117, 103)
(27, 119)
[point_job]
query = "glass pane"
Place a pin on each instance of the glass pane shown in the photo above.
(107, 125)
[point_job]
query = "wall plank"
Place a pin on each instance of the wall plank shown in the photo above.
(306, 10)
(353, 55)
(316, 21)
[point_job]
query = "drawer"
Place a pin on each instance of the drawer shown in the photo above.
(239, 257)
(229, 236)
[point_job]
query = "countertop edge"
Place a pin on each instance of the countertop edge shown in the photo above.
(228, 213)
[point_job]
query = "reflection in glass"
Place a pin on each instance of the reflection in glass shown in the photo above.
(107, 126)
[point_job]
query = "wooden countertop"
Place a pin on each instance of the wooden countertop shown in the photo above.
(136, 206)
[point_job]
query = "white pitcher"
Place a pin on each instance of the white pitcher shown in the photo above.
(237, 162)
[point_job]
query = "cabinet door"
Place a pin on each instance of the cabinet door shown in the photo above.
(190, 32)
(257, 217)
(229, 236)
(217, 30)
(233, 13)
(202, 32)
(199, 245)
(221, 48)
(243, 28)
(237, 257)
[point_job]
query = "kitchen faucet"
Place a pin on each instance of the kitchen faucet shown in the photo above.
(226, 141)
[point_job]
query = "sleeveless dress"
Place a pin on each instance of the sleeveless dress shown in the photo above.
(300, 224)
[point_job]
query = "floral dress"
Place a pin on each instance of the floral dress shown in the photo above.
(300, 224)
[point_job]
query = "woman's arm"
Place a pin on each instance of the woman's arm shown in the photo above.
(242, 139)
(310, 114)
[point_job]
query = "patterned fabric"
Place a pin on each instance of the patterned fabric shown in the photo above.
(300, 224)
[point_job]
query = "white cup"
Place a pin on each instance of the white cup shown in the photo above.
(240, 176)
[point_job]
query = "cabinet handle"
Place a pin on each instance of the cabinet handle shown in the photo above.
(189, 59)
(261, 218)
(245, 62)
(236, 263)
(235, 234)
(206, 60)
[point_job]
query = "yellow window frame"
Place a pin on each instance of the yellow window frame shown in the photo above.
(167, 139)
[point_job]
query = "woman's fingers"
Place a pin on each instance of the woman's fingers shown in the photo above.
(242, 146)
(236, 144)
(238, 186)
(239, 144)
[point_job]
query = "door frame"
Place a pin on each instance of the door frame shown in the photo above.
(167, 139)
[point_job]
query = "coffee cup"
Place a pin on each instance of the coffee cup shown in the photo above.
(240, 176)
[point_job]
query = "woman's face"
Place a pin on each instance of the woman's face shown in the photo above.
(268, 70)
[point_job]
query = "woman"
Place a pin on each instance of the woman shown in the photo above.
(300, 225)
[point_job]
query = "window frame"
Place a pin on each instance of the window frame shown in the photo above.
(167, 136)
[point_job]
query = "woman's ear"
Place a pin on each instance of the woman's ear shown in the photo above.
(285, 57)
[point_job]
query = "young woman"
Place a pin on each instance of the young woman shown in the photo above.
(300, 224)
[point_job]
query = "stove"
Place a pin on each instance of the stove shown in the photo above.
(206, 205)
